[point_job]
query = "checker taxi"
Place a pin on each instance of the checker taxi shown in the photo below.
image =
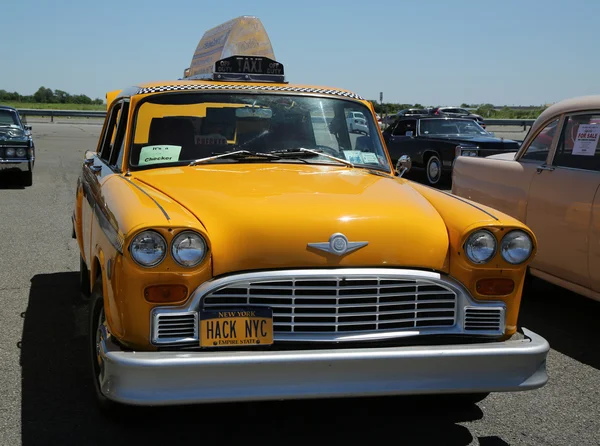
(239, 242)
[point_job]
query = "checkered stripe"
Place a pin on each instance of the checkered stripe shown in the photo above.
(161, 88)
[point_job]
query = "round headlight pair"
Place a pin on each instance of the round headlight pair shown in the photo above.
(149, 248)
(481, 246)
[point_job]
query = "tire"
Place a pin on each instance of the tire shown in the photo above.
(27, 178)
(433, 170)
(106, 406)
(84, 278)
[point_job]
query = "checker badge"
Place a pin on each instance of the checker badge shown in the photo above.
(338, 244)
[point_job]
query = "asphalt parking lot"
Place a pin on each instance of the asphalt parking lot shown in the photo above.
(46, 396)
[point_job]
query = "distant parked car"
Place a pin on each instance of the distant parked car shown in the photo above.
(457, 112)
(17, 151)
(552, 183)
(357, 123)
(433, 143)
(413, 111)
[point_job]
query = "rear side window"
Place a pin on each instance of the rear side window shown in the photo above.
(579, 145)
(406, 128)
(540, 147)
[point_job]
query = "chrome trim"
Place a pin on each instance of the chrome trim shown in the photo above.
(463, 299)
(22, 165)
(171, 312)
(495, 316)
(184, 377)
(338, 244)
(113, 236)
(148, 195)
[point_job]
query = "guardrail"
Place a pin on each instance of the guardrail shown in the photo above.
(64, 113)
(101, 114)
(512, 122)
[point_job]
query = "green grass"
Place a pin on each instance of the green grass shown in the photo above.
(38, 106)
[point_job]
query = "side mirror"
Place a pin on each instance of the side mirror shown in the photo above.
(403, 165)
(27, 127)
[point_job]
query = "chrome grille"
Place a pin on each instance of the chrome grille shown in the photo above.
(343, 304)
(175, 327)
(484, 319)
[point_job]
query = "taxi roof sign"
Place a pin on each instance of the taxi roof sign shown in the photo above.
(249, 68)
(242, 36)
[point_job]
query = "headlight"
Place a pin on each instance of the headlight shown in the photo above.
(10, 152)
(481, 246)
(148, 248)
(516, 247)
(188, 249)
(21, 153)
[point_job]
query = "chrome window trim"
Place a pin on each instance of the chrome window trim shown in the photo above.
(565, 117)
(527, 142)
(463, 300)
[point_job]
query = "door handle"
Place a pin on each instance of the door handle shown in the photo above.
(543, 167)
(95, 169)
(88, 161)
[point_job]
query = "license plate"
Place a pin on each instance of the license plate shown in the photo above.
(236, 327)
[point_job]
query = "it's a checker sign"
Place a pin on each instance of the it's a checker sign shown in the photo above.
(232, 327)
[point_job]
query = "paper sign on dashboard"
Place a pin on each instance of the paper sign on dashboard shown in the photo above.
(587, 140)
(159, 154)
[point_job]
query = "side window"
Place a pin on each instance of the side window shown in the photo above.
(116, 156)
(540, 146)
(579, 145)
(406, 128)
(110, 132)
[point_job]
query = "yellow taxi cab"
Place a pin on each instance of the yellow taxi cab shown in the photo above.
(238, 242)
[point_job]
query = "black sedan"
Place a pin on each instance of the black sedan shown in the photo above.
(17, 151)
(433, 143)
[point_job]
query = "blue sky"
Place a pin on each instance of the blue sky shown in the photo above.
(433, 52)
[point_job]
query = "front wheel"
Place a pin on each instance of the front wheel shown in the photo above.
(433, 170)
(96, 333)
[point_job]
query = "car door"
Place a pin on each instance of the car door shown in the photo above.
(402, 139)
(97, 167)
(559, 208)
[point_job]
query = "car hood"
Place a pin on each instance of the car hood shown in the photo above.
(261, 216)
(13, 135)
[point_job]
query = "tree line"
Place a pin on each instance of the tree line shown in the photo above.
(485, 110)
(48, 96)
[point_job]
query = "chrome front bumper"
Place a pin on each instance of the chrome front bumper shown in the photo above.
(180, 377)
(14, 164)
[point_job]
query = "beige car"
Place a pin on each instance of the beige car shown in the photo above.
(552, 185)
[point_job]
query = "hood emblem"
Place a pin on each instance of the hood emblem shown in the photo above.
(338, 244)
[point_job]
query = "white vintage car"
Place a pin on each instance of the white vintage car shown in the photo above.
(552, 184)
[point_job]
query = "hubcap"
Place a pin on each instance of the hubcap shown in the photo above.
(434, 170)
(99, 336)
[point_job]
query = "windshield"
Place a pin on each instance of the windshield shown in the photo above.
(8, 118)
(179, 128)
(451, 127)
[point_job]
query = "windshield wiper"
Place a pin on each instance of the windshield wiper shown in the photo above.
(238, 154)
(293, 153)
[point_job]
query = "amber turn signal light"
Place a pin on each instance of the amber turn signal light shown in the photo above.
(495, 287)
(165, 293)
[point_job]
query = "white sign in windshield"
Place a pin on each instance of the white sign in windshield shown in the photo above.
(587, 140)
(159, 154)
